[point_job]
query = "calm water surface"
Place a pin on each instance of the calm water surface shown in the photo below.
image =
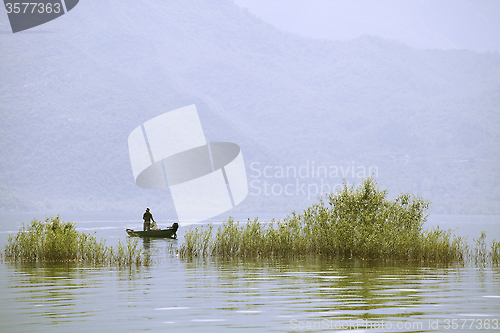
(179, 295)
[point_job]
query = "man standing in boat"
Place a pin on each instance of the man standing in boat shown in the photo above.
(147, 217)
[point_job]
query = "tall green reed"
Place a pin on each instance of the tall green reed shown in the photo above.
(495, 252)
(357, 221)
(53, 240)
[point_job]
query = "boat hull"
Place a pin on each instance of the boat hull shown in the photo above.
(163, 233)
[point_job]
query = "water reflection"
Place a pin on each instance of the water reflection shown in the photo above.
(159, 246)
(319, 290)
(54, 294)
(50, 291)
(249, 294)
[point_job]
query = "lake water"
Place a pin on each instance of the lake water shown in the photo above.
(179, 295)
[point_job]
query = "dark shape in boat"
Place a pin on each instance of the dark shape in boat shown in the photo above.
(170, 232)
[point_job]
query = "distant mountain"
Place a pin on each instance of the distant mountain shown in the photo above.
(425, 24)
(73, 89)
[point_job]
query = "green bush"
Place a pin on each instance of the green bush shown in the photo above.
(54, 240)
(359, 222)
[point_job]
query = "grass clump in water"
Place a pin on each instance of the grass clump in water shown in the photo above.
(57, 241)
(355, 222)
(495, 252)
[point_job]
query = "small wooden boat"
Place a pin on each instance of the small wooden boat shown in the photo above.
(162, 233)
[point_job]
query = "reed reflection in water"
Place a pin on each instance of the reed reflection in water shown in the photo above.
(270, 295)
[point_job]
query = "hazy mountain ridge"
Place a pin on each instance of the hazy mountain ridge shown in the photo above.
(69, 100)
(425, 24)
